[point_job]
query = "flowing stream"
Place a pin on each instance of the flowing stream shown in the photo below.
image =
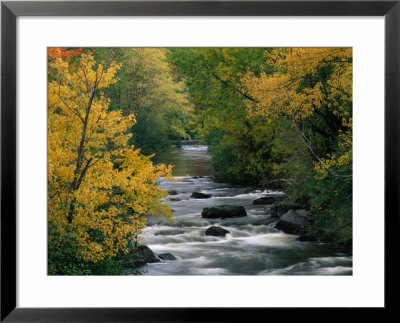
(253, 246)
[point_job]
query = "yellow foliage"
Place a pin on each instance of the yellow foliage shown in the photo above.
(284, 94)
(280, 94)
(98, 186)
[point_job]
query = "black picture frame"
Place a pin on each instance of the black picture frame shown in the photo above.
(10, 10)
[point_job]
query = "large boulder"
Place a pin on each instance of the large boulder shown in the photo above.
(145, 254)
(223, 211)
(167, 256)
(289, 227)
(139, 256)
(198, 195)
(216, 231)
(267, 200)
(293, 222)
(282, 207)
(297, 217)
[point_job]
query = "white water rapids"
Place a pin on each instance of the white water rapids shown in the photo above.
(253, 246)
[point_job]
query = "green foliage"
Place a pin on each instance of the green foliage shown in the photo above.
(148, 89)
(278, 118)
(330, 201)
(63, 258)
(238, 146)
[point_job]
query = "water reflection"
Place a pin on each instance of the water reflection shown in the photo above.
(188, 160)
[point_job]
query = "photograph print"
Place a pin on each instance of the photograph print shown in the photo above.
(200, 161)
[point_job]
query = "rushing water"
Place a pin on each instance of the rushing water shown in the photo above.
(253, 246)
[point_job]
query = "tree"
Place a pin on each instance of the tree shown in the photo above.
(99, 187)
(311, 90)
(240, 147)
(278, 117)
(147, 88)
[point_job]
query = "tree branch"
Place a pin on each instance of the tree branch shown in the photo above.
(235, 88)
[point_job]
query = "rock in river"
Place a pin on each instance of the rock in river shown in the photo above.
(216, 231)
(145, 254)
(293, 222)
(267, 200)
(172, 192)
(139, 256)
(198, 195)
(282, 207)
(296, 217)
(223, 211)
(289, 227)
(167, 256)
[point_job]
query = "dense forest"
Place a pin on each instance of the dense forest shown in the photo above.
(272, 118)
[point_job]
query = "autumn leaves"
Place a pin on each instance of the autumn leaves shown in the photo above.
(99, 188)
(267, 115)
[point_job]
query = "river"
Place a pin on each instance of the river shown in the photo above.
(253, 246)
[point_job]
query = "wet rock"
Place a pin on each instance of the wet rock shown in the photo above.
(223, 211)
(198, 195)
(174, 199)
(139, 256)
(282, 207)
(167, 256)
(145, 254)
(289, 227)
(267, 200)
(296, 217)
(216, 231)
(294, 222)
(172, 192)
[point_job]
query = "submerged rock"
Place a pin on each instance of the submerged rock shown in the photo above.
(167, 256)
(223, 211)
(216, 231)
(198, 195)
(267, 200)
(169, 232)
